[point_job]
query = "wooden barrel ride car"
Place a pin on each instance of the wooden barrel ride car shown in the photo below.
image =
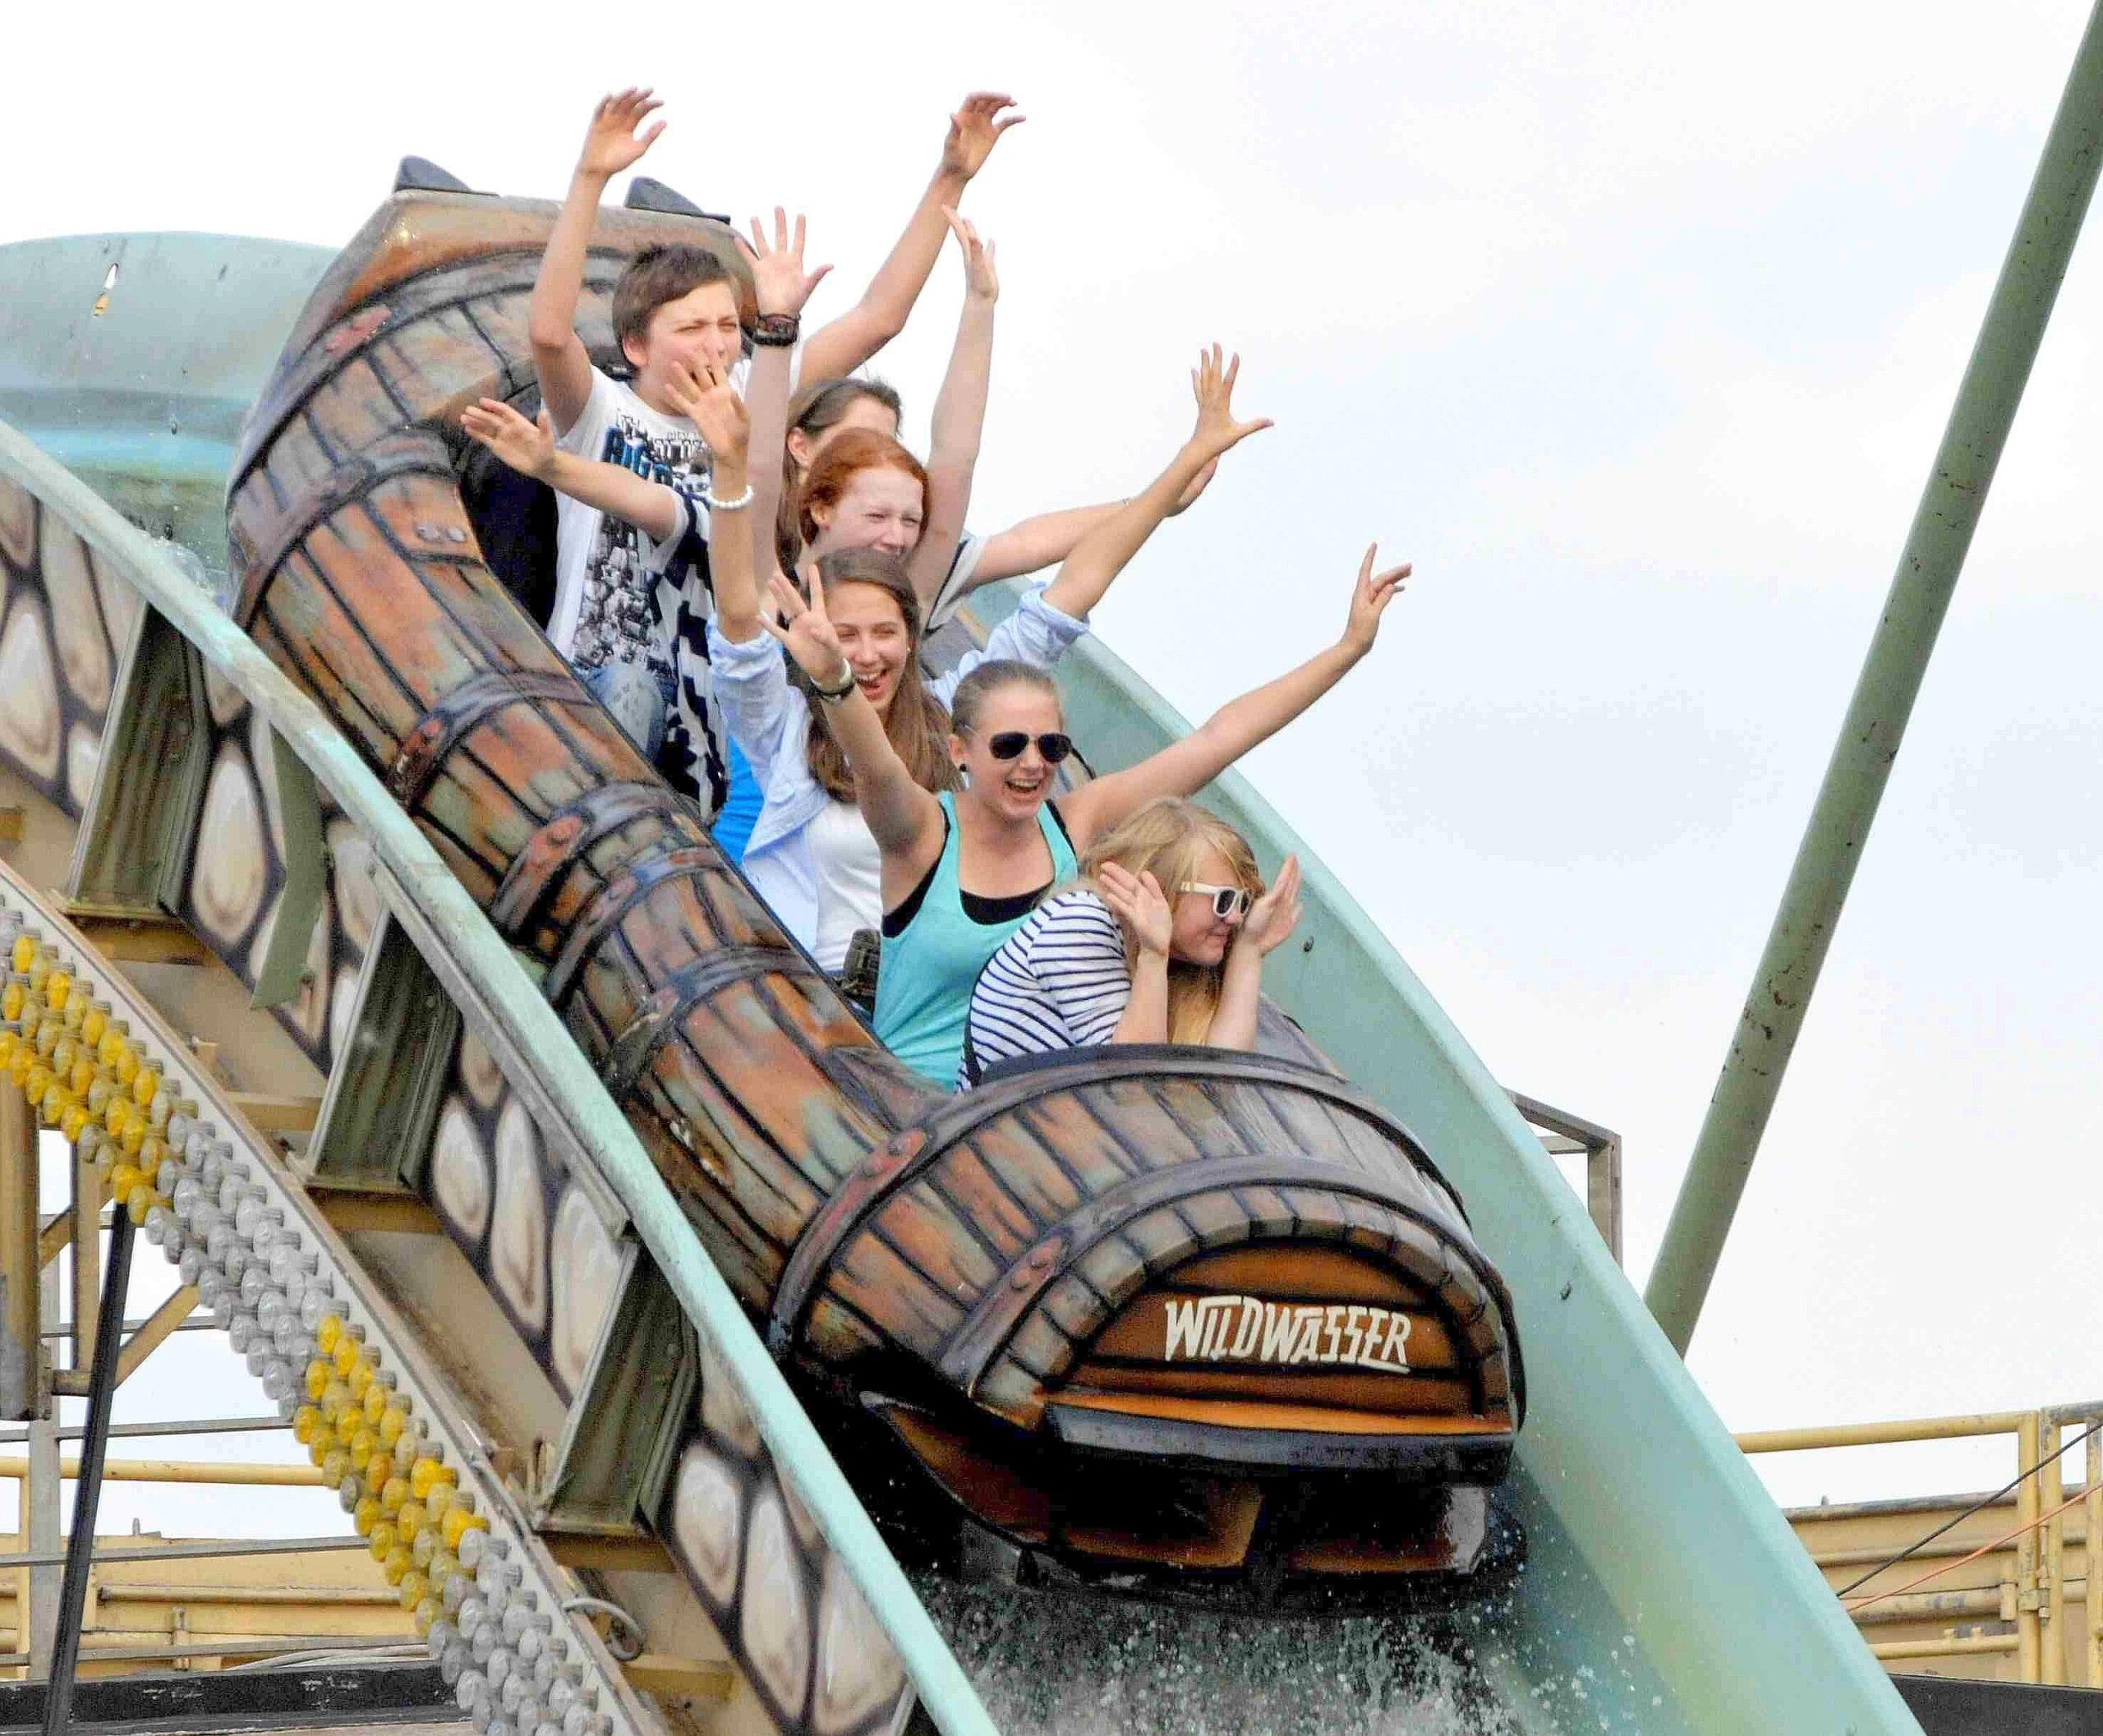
(1176, 1321)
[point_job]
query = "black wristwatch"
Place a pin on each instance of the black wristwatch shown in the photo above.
(777, 331)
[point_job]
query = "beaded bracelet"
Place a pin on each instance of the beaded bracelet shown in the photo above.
(743, 500)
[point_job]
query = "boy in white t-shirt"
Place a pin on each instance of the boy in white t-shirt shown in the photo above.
(630, 615)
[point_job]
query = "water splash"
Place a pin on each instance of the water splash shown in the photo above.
(1052, 1666)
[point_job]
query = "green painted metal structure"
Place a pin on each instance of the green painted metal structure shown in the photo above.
(1664, 1593)
(1875, 723)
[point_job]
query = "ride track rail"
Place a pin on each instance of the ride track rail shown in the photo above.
(502, 1004)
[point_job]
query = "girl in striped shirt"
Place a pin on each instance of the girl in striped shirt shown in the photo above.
(1163, 940)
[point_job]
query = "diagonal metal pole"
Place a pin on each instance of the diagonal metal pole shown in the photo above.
(1883, 697)
(87, 1491)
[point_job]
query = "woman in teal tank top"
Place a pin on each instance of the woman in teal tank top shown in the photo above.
(962, 870)
(941, 936)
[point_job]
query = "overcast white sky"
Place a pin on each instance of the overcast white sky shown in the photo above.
(1634, 326)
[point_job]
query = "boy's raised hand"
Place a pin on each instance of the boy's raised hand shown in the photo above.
(1212, 383)
(1368, 601)
(974, 129)
(528, 447)
(780, 282)
(704, 395)
(610, 142)
(981, 280)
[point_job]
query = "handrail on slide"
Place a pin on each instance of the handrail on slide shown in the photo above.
(515, 1004)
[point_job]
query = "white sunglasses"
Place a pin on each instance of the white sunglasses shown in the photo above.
(1228, 902)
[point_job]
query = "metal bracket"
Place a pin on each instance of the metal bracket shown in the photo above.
(305, 893)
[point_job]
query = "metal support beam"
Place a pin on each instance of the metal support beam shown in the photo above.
(87, 1495)
(21, 1316)
(1885, 693)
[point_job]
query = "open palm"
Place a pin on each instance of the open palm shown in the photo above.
(610, 142)
(975, 129)
(780, 282)
(1212, 383)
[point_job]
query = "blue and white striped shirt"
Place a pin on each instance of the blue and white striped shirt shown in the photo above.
(1059, 982)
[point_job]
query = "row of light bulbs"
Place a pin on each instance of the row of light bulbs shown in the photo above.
(201, 1202)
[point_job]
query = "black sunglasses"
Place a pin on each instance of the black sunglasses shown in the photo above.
(1009, 744)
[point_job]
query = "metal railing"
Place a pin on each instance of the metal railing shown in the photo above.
(1564, 1135)
(2032, 1595)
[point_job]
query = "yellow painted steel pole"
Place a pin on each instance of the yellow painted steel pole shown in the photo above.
(2092, 1557)
(184, 1471)
(20, 1317)
(2029, 1655)
(2051, 1491)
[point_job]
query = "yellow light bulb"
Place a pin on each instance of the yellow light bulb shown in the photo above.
(396, 1564)
(392, 1421)
(456, 1523)
(56, 1101)
(348, 1353)
(381, 1539)
(73, 1123)
(358, 1378)
(416, 1592)
(64, 1053)
(9, 1042)
(83, 1076)
(144, 1085)
(333, 1398)
(157, 1111)
(394, 1494)
(427, 1474)
(132, 1137)
(57, 987)
(327, 1333)
(317, 1378)
(93, 1024)
(110, 1044)
(366, 1515)
(379, 1471)
(376, 1395)
(439, 1501)
(306, 1421)
(117, 1114)
(140, 1201)
(25, 952)
(125, 1066)
(335, 1466)
(414, 1516)
(425, 1614)
(36, 1081)
(443, 1565)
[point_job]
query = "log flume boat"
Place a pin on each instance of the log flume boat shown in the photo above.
(1179, 1323)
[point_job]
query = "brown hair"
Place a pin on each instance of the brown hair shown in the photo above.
(661, 274)
(833, 470)
(1166, 838)
(918, 725)
(822, 405)
(989, 678)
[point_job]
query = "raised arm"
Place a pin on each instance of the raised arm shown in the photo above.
(1146, 914)
(1033, 543)
(705, 396)
(610, 145)
(851, 340)
(1186, 766)
(1101, 554)
(530, 448)
(1269, 921)
(780, 285)
(960, 418)
(906, 820)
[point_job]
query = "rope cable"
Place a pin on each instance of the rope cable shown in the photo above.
(1983, 1502)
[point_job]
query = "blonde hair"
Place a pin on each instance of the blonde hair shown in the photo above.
(1167, 838)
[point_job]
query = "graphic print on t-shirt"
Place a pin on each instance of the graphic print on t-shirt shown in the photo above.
(618, 614)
